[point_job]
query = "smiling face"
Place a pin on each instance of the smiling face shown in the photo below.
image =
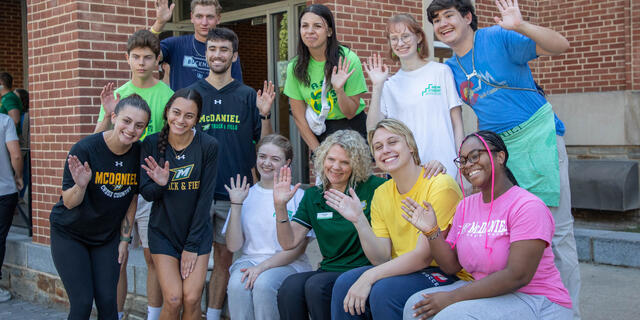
(220, 55)
(142, 62)
(314, 31)
(270, 159)
(129, 124)
(403, 42)
(204, 18)
(477, 168)
(451, 27)
(182, 116)
(337, 167)
(390, 151)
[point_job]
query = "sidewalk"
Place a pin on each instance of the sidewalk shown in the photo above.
(607, 292)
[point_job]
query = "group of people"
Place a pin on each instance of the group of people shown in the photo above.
(194, 166)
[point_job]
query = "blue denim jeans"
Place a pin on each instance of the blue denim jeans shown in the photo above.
(388, 296)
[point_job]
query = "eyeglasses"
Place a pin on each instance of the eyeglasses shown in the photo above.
(472, 157)
(405, 38)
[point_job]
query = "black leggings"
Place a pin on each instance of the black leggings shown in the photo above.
(357, 123)
(87, 272)
(7, 208)
(307, 293)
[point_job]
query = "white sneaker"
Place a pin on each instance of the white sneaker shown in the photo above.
(5, 295)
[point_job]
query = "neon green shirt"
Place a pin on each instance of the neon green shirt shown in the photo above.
(312, 94)
(156, 97)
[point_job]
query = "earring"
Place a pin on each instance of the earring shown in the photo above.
(393, 54)
(419, 49)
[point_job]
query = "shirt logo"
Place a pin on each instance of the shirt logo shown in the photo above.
(431, 89)
(219, 101)
(181, 157)
(181, 173)
(118, 164)
(324, 215)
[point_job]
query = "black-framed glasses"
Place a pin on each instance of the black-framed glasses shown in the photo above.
(472, 157)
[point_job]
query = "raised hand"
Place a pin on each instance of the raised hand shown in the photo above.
(158, 174)
(187, 263)
(238, 190)
(282, 191)
(511, 16)
(376, 69)
(341, 73)
(423, 218)
(348, 206)
(250, 274)
(164, 11)
(265, 98)
(80, 173)
(108, 100)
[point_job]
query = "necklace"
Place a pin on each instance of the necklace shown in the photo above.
(181, 155)
(193, 42)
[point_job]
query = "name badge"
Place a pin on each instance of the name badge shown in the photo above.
(324, 215)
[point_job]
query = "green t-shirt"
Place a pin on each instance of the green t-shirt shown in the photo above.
(337, 237)
(156, 97)
(312, 94)
(10, 101)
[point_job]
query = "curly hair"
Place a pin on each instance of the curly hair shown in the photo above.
(359, 156)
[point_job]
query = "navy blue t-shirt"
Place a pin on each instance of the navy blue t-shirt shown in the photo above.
(231, 116)
(186, 56)
(114, 182)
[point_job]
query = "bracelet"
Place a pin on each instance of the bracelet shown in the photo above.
(283, 221)
(237, 204)
(268, 116)
(433, 233)
(154, 31)
(127, 239)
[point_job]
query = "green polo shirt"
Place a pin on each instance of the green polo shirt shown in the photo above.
(337, 237)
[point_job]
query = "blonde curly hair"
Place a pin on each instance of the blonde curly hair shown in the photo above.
(359, 156)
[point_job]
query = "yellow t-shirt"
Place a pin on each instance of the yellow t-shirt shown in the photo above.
(441, 191)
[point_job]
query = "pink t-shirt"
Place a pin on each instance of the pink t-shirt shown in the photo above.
(517, 215)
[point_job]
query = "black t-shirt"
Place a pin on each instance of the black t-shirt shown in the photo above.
(231, 116)
(180, 211)
(114, 182)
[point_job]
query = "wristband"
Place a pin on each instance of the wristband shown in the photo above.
(236, 203)
(127, 239)
(433, 233)
(154, 31)
(283, 221)
(268, 116)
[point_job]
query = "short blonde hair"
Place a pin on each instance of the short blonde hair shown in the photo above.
(397, 127)
(205, 3)
(359, 157)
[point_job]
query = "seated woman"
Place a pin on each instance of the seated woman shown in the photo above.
(257, 275)
(403, 264)
(91, 224)
(501, 235)
(343, 163)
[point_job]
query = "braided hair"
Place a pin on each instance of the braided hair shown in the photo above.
(163, 136)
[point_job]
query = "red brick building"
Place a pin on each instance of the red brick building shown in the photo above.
(64, 51)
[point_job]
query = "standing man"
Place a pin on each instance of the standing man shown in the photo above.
(237, 117)
(492, 74)
(10, 103)
(10, 183)
(186, 54)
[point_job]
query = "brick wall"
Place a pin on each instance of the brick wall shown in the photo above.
(11, 40)
(75, 47)
(253, 52)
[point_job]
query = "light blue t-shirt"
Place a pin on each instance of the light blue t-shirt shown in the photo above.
(501, 58)
(7, 133)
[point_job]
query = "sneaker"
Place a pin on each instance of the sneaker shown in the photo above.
(5, 295)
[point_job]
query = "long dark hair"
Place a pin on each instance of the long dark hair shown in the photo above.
(163, 136)
(332, 53)
(496, 144)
